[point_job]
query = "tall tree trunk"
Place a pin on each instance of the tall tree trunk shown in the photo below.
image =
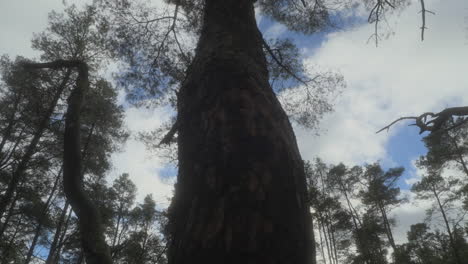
(11, 242)
(326, 237)
(94, 245)
(62, 239)
(388, 228)
(42, 217)
(241, 190)
(9, 214)
(17, 175)
(93, 242)
(321, 244)
(447, 225)
(58, 232)
(116, 233)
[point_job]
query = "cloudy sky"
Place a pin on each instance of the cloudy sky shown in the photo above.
(402, 76)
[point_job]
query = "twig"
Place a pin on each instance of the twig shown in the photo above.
(423, 17)
(272, 54)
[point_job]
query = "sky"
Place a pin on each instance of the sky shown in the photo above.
(402, 76)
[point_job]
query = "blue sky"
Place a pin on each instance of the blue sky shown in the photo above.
(405, 145)
(403, 76)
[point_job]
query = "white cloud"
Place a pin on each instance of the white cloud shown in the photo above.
(136, 160)
(20, 18)
(403, 76)
(408, 214)
(274, 31)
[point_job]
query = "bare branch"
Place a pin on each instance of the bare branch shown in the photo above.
(433, 122)
(423, 17)
(171, 29)
(396, 121)
(272, 54)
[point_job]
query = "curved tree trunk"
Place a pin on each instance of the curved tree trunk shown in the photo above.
(92, 234)
(94, 245)
(241, 190)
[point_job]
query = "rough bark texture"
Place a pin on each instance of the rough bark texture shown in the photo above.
(241, 190)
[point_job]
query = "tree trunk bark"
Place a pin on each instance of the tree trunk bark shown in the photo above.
(241, 191)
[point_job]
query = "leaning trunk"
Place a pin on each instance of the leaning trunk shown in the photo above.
(94, 246)
(91, 231)
(241, 190)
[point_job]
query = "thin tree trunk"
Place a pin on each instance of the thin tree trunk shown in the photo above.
(330, 237)
(12, 240)
(62, 239)
(321, 245)
(388, 229)
(114, 239)
(325, 234)
(9, 214)
(447, 225)
(43, 215)
(53, 248)
(460, 155)
(241, 191)
(17, 175)
(6, 159)
(327, 221)
(58, 231)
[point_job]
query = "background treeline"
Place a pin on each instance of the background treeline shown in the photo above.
(37, 224)
(354, 207)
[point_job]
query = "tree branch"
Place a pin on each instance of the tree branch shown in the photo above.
(423, 17)
(272, 54)
(433, 122)
(170, 135)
